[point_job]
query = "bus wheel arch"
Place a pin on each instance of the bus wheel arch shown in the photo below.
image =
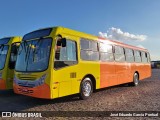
(90, 83)
(137, 73)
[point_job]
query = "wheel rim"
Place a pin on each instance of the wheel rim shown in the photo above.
(136, 79)
(86, 88)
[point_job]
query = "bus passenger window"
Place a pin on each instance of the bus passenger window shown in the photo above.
(89, 50)
(129, 55)
(144, 57)
(119, 54)
(106, 52)
(148, 57)
(137, 55)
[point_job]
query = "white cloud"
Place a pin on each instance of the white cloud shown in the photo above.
(118, 34)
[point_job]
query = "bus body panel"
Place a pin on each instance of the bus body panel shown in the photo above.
(121, 72)
(108, 75)
(145, 71)
(2, 84)
(64, 86)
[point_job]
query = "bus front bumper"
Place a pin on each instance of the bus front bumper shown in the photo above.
(42, 91)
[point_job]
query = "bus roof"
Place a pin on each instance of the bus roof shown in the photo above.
(122, 44)
(11, 39)
(98, 38)
(83, 35)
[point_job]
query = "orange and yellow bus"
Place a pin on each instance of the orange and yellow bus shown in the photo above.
(8, 53)
(56, 62)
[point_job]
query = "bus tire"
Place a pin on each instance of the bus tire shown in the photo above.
(86, 88)
(135, 79)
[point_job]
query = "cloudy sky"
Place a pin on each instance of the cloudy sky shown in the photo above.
(135, 22)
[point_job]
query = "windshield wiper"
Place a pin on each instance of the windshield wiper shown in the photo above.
(26, 49)
(1, 47)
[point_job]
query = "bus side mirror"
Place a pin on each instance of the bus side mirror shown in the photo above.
(58, 43)
(63, 41)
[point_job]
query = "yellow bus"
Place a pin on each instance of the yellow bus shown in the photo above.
(8, 53)
(56, 62)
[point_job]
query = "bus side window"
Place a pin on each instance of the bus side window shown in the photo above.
(106, 52)
(65, 55)
(144, 57)
(148, 57)
(119, 54)
(137, 55)
(129, 55)
(89, 50)
(13, 55)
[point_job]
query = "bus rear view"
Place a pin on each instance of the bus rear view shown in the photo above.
(8, 54)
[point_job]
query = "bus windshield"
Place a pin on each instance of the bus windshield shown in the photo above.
(34, 55)
(3, 55)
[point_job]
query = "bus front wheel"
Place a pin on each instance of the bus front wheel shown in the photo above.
(86, 88)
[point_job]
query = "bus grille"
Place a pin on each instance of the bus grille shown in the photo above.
(29, 81)
(26, 85)
(27, 78)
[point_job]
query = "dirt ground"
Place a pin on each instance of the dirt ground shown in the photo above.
(144, 97)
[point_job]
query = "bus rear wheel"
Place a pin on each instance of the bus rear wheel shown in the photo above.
(86, 88)
(135, 79)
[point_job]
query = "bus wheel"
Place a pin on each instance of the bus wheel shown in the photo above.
(135, 79)
(86, 88)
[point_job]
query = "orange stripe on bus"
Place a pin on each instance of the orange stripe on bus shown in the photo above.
(2, 84)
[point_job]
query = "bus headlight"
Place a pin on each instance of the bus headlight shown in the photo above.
(40, 81)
